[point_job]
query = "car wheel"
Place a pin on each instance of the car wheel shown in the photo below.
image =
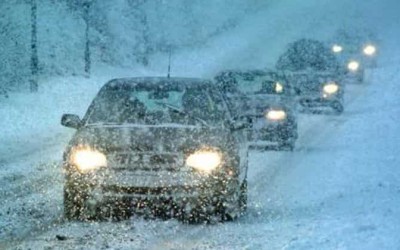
(201, 213)
(338, 107)
(78, 207)
(235, 204)
(287, 145)
(360, 78)
(73, 204)
(243, 197)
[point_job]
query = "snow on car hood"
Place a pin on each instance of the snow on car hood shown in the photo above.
(151, 138)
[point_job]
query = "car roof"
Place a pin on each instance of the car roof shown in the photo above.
(257, 72)
(182, 82)
(312, 73)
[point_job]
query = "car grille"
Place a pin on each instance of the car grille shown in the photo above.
(149, 190)
(146, 161)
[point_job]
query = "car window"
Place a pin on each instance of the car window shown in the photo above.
(252, 83)
(151, 106)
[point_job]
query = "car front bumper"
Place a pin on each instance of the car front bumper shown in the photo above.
(355, 76)
(271, 133)
(315, 101)
(102, 191)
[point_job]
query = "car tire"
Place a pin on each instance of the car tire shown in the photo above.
(243, 198)
(287, 145)
(200, 214)
(338, 107)
(360, 77)
(238, 201)
(226, 208)
(73, 204)
(77, 207)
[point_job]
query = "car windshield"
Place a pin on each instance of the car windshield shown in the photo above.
(156, 105)
(253, 83)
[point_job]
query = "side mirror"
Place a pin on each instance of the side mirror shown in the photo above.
(71, 121)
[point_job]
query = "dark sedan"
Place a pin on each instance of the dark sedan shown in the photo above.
(316, 74)
(267, 101)
(156, 146)
(318, 90)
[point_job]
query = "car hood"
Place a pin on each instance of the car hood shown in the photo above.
(151, 138)
(314, 83)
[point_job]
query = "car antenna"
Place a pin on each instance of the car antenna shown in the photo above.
(169, 63)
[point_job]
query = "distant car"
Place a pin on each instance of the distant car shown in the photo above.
(156, 146)
(316, 90)
(357, 51)
(267, 101)
(315, 74)
(357, 44)
(354, 70)
(308, 55)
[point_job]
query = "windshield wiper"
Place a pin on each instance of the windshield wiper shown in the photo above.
(176, 109)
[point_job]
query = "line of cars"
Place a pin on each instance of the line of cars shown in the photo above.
(265, 100)
(178, 147)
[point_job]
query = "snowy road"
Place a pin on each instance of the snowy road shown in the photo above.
(328, 194)
(338, 190)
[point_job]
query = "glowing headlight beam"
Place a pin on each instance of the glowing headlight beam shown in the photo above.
(278, 87)
(204, 161)
(353, 65)
(276, 115)
(337, 48)
(369, 50)
(87, 160)
(330, 88)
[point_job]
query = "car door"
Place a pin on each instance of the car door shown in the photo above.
(240, 134)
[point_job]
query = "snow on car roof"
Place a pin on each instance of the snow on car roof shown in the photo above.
(257, 72)
(156, 81)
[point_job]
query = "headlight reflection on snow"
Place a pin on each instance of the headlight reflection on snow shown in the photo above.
(204, 160)
(86, 159)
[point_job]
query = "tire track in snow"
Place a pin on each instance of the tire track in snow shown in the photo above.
(33, 204)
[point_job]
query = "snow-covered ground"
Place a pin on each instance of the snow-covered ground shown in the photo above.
(338, 190)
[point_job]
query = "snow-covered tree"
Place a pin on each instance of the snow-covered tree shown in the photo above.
(34, 53)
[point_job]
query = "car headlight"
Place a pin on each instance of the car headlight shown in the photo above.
(278, 87)
(369, 50)
(87, 160)
(204, 160)
(337, 48)
(276, 115)
(330, 88)
(353, 65)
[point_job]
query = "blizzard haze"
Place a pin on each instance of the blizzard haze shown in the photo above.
(338, 189)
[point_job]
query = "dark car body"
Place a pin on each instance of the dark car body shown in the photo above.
(147, 129)
(352, 74)
(354, 45)
(310, 89)
(315, 73)
(251, 95)
(358, 46)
